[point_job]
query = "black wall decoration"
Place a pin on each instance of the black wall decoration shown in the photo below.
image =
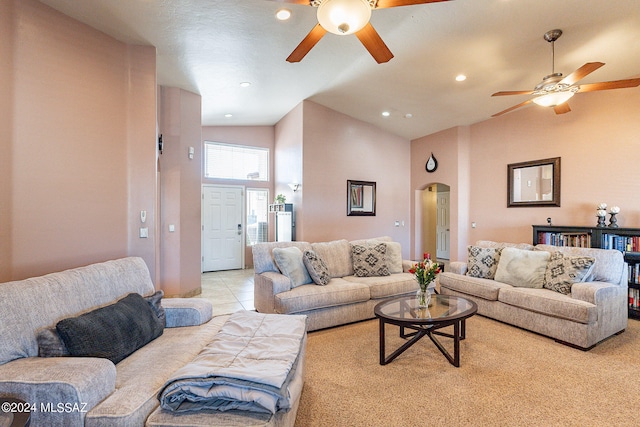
(432, 164)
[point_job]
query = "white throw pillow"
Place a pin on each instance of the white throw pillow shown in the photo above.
(289, 261)
(522, 268)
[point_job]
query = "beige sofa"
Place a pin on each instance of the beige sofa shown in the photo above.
(346, 298)
(595, 308)
(92, 391)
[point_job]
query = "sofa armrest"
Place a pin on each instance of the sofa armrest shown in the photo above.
(60, 390)
(187, 311)
(458, 267)
(266, 286)
(595, 292)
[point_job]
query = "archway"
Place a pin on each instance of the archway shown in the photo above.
(434, 218)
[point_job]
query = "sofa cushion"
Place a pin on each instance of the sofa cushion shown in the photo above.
(609, 266)
(501, 245)
(394, 257)
(482, 288)
(564, 270)
(522, 268)
(482, 262)
(370, 260)
(337, 292)
(550, 303)
(387, 286)
(112, 332)
(316, 267)
(289, 261)
(337, 255)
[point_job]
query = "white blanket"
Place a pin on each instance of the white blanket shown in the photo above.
(248, 366)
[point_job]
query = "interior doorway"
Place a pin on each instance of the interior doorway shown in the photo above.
(435, 221)
(222, 228)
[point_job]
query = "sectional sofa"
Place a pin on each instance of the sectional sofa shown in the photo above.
(94, 391)
(345, 298)
(577, 296)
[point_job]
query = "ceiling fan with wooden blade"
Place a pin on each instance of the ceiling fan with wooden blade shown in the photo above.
(344, 17)
(555, 91)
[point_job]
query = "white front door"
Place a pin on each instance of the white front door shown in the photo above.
(222, 227)
(442, 226)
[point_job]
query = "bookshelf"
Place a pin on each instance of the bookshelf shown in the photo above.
(626, 240)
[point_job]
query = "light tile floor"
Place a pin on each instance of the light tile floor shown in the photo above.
(228, 291)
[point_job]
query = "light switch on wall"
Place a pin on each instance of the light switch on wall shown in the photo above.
(172, 228)
(144, 232)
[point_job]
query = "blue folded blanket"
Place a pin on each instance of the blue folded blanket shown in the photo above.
(248, 366)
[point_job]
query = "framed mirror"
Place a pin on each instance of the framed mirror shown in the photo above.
(534, 183)
(361, 198)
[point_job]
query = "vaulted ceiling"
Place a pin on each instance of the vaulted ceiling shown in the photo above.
(211, 47)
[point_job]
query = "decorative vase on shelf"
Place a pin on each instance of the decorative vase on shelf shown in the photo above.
(613, 211)
(423, 298)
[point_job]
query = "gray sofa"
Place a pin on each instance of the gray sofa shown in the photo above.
(345, 299)
(595, 308)
(90, 391)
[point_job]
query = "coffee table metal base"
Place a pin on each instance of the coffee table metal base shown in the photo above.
(459, 331)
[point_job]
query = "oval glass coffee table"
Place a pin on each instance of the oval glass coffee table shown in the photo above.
(445, 310)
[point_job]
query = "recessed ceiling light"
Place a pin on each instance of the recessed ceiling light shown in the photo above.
(228, 115)
(386, 113)
(408, 116)
(461, 78)
(245, 84)
(283, 14)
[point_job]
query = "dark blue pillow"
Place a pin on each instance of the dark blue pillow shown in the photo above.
(112, 332)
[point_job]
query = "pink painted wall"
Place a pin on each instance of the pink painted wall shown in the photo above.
(450, 147)
(598, 142)
(288, 165)
(6, 136)
(254, 136)
(180, 177)
(75, 97)
(337, 148)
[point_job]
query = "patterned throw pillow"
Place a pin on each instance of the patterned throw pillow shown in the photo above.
(316, 267)
(483, 262)
(563, 271)
(370, 260)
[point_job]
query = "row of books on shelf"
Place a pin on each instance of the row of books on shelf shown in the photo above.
(580, 240)
(634, 298)
(621, 243)
(634, 273)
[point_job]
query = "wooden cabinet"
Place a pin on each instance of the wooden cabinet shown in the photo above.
(626, 240)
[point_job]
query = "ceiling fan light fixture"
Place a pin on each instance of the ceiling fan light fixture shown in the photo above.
(554, 98)
(343, 17)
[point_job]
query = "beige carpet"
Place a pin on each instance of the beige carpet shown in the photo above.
(507, 377)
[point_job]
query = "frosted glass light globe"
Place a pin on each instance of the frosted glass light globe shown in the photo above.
(343, 17)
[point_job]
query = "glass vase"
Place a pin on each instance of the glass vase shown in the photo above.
(423, 298)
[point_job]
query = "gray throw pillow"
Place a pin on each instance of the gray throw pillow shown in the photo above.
(112, 332)
(154, 301)
(289, 261)
(370, 260)
(522, 268)
(563, 271)
(316, 267)
(483, 262)
(50, 344)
